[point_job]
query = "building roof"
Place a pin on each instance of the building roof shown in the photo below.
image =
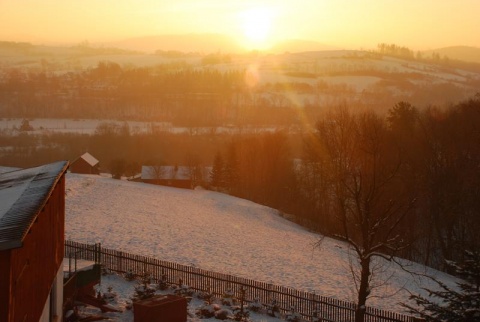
(89, 159)
(23, 193)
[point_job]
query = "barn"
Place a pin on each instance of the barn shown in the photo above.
(32, 225)
(85, 164)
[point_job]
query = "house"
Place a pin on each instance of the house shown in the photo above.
(32, 227)
(85, 164)
(173, 176)
(176, 176)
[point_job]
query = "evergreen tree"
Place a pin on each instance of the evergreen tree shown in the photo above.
(462, 305)
(231, 169)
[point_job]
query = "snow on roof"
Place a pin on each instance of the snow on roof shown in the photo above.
(166, 172)
(89, 159)
(22, 195)
(7, 169)
(76, 265)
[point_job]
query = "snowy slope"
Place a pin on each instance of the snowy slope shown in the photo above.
(222, 233)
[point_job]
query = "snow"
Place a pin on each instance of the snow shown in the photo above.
(89, 126)
(123, 291)
(70, 265)
(90, 159)
(218, 232)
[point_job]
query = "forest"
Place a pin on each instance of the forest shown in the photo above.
(391, 169)
(216, 89)
(394, 172)
(410, 175)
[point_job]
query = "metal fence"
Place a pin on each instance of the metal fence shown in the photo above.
(306, 303)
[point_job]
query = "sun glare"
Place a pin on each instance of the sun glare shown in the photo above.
(256, 25)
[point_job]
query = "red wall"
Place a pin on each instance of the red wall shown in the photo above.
(82, 166)
(4, 284)
(35, 265)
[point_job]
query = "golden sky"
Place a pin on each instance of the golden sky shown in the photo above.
(352, 24)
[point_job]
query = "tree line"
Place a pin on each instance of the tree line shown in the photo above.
(204, 94)
(420, 163)
(402, 183)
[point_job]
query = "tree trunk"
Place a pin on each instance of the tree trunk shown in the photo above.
(363, 291)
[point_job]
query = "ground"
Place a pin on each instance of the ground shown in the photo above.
(218, 232)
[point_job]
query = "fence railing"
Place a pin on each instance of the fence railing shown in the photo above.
(306, 303)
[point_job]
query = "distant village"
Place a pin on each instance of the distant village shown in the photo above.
(172, 176)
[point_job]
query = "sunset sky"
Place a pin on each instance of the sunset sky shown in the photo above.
(353, 24)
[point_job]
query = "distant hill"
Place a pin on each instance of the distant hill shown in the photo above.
(202, 43)
(465, 53)
(208, 43)
(299, 45)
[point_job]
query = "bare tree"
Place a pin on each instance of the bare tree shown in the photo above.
(194, 169)
(361, 168)
(156, 172)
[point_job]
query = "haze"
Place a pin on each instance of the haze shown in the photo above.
(418, 24)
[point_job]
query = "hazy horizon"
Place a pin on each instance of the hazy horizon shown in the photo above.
(419, 25)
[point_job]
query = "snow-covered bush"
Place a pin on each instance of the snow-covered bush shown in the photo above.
(106, 271)
(256, 305)
(129, 276)
(240, 315)
(162, 282)
(109, 295)
(228, 297)
(183, 290)
(207, 296)
(273, 309)
(293, 316)
(144, 290)
(207, 311)
(223, 314)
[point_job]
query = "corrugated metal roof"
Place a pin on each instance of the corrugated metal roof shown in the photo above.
(23, 193)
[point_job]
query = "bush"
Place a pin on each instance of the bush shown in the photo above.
(222, 314)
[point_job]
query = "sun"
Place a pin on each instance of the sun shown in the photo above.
(256, 25)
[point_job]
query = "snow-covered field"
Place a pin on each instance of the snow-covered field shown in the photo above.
(225, 234)
(89, 126)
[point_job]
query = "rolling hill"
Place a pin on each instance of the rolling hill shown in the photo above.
(465, 53)
(218, 232)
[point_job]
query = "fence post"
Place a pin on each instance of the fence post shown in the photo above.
(99, 253)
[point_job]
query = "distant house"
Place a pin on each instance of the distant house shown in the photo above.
(176, 176)
(85, 164)
(32, 227)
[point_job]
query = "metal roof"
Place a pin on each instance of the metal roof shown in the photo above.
(89, 159)
(23, 193)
